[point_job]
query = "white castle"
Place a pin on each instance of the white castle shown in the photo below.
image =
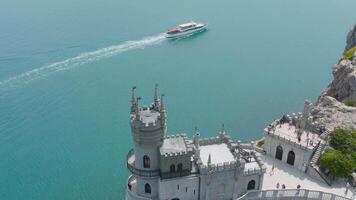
(174, 167)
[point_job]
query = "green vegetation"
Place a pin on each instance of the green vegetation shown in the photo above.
(349, 54)
(350, 102)
(343, 140)
(260, 143)
(337, 163)
(341, 161)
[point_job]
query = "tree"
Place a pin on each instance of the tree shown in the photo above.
(340, 165)
(343, 140)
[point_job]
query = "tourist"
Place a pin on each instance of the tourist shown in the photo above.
(283, 186)
(277, 186)
(347, 188)
(298, 189)
(272, 171)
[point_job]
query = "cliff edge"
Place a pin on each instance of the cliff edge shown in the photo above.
(330, 109)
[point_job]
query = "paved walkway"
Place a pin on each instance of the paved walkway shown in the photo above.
(291, 177)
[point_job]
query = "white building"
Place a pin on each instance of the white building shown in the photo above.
(174, 167)
(292, 139)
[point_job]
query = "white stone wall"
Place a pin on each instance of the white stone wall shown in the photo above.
(184, 188)
(141, 182)
(221, 185)
(151, 152)
(302, 156)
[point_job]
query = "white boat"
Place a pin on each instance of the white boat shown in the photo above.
(186, 29)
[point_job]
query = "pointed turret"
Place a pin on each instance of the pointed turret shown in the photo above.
(163, 114)
(196, 138)
(222, 131)
(209, 160)
(134, 103)
(156, 98)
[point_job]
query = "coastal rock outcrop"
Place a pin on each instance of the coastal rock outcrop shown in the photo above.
(343, 87)
(330, 111)
(351, 39)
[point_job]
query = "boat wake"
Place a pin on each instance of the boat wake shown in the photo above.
(81, 59)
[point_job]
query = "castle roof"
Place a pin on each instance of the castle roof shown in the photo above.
(220, 153)
(148, 115)
(174, 144)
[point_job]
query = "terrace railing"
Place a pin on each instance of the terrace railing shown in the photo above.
(290, 194)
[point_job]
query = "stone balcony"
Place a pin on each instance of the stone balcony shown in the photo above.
(131, 191)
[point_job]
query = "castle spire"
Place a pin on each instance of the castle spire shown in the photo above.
(209, 160)
(163, 114)
(222, 131)
(156, 97)
(134, 103)
(162, 104)
(196, 138)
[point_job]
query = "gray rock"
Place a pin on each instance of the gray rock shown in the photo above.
(351, 39)
(343, 86)
(330, 112)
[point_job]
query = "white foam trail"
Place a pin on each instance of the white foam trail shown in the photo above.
(81, 59)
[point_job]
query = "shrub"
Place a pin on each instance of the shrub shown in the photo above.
(350, 102)
(260, 143)
(343, 140)
(339, 165)
(349, 54)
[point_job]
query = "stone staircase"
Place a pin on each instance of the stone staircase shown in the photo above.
(313, 169)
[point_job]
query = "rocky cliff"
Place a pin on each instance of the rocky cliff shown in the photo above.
(351, 39)
(330, 110)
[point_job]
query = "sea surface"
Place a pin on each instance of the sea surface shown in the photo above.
(67, 68)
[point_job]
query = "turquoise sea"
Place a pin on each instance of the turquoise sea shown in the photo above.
(67, 67)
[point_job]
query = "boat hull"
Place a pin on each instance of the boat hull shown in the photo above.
(188, 32)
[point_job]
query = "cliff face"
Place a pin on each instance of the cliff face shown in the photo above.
(343, 87)
(351, 39)
(330, 111)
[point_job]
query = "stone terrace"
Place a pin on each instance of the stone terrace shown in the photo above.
(289, 132)
(291, 177)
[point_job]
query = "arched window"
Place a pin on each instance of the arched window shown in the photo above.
(279, 152)
(147, 188)
(146, 161)
(180, 167)
(172, 168)
(291, 158)
(251, 185)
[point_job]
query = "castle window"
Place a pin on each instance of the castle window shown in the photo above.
(251, 185)
(172, 168)
(147, 188)
(291, 158)
(180, 167)
(146, 161)
(194, 192)
(279, 152)
(178, 187)
(186, 189)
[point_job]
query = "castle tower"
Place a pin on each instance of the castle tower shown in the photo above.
(148, 127)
